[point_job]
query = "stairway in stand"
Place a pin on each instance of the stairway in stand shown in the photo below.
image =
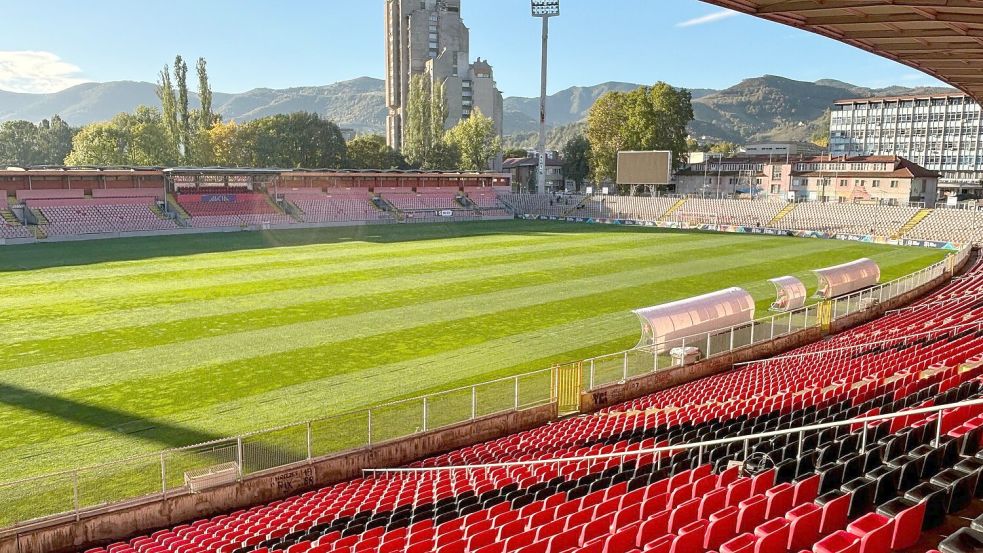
(675, 207)
(912, 223)
(781, 214)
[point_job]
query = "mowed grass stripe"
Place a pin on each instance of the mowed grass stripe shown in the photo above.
(39, 262)
(154, 397)
(188, 303)
(126, 365)
(239, 285)
(367, 254)
(68, 345)
(363, 256)
(327, 396)
(108, 319)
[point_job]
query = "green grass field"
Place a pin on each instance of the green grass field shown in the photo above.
(112, 348)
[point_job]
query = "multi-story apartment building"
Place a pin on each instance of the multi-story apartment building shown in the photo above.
(876, 179)
(943, 133)
(524, 171)
(429, 37)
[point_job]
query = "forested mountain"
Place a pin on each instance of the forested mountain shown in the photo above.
(767, 107)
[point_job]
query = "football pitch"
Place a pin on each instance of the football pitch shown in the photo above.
(115, 348)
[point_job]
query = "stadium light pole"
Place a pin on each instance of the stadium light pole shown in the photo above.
(544, 9)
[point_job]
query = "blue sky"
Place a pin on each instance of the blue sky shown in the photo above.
(260, 43)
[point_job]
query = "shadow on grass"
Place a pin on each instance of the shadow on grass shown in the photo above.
(100, 418)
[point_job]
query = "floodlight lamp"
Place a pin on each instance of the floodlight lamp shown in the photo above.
(545, 8)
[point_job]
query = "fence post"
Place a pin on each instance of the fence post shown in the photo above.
(310, 440)
(624, 368)
(474, 402)
(655, 359)
(591, 374)
(708, 345)
(370, 426)
(75, 493)
(425, 405)
(732, 329)
(163, 475)
(772, 328)
(516, 404)
(790, 323)
(239, 459)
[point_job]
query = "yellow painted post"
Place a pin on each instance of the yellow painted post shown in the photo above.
(567, 384)
(825, 315)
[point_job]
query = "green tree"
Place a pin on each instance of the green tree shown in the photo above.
(55, 140)
(165, 92)
(139, 138)
(476, 141)
(370, 151)
(230, 145)
(183, 111)
(423, 125)
(821, 136)
(605, 122)
(205, 116)
(19, 144)
(98, 144)
(576, 159)
(295, 140)
(726, 149)
(647, 118)
(516, 153)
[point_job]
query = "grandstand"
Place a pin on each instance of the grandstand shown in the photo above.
(731, 212)
(10, 226)
(959, 225)
(900, 222)
(71, 213)
(486, 201)
(426, 203)
(336, 206)
(229, 207)
(875, 220)
(842, 445)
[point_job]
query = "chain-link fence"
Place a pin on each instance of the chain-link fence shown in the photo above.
(172, 471)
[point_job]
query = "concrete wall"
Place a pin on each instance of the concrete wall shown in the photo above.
(140, 518)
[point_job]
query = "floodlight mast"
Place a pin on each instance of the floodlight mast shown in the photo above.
(544, 9)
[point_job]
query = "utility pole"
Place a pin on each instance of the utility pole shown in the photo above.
(544, 9)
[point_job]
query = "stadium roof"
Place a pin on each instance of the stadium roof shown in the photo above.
(943, 38)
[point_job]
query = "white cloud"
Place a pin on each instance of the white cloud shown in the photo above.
(36, 71)
(709, 18)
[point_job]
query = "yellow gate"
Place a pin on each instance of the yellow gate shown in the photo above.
(825, 315)
(567, 385)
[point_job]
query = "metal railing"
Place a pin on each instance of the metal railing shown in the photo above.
(904, 340)
(160, 475)
(619, 367)
(701, 446)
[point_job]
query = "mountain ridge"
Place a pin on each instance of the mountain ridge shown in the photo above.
(769, 107)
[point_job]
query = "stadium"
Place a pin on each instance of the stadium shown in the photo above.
(249, 360)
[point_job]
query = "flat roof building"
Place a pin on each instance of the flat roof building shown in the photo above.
(942, 133)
